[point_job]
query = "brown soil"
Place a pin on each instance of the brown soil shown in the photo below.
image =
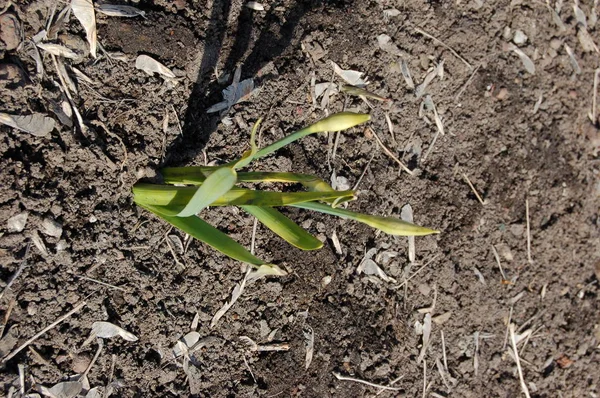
(363, 327)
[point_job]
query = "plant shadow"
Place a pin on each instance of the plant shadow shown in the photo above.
(274, 38)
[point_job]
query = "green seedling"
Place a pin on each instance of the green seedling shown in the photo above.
(189, 190)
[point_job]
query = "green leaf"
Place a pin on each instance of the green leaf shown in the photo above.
(389, 225)
(196, 175)
(284, 227)
(336, 122)
(177, 197)
(208, 234)
(249, 155)
(215, 185)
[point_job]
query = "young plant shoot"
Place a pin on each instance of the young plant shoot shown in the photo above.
(189, 190)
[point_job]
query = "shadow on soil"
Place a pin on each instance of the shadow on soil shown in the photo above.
(275, 36)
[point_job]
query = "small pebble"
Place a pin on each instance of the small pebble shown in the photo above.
(519, 37)
(517, 230)
(51, 227)
(502, 93)
(556, 43)
(325, 281)
(17, 223)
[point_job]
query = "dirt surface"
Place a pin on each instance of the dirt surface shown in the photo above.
(83, 228)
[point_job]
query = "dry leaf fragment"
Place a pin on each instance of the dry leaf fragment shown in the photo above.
(406, 214)
(95, 392)
(34, 53)
(51, 227)
(185, 344)
(309, 336)
(17, 222)
(352, 77)
(385, 43)
(58, 23)
(574, 63)
(117, 10)
(437, 71)
(266, 270)
(370, 267)
(84, 12)
(390, 13)
(107, 330)
(579, 15)
(256, 6)
(426, 335)
(151, 66)
(236, 92)
(36, 124)
(39, 243)
(441, 319)
(586, 41)
(322, 88)
(58, 50)
(237, 292)
(67, 389)
(336, 243)
(527, 62)
(406, 74)
(564, 361)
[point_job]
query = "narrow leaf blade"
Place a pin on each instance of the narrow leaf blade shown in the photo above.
(176, 198)
(389, 225)
(216, 185)
(336, 122)
(249, 155)
(210, 235)
(284, 227)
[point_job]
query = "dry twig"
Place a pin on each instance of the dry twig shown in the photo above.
(40, 333)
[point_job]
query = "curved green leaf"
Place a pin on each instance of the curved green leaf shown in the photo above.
(284, 227)
(249, 155)
(178, 197)
(335, 122)
(208, 234)
(389, 225)
(216, 185)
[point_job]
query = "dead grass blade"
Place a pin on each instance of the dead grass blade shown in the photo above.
(84, 12)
